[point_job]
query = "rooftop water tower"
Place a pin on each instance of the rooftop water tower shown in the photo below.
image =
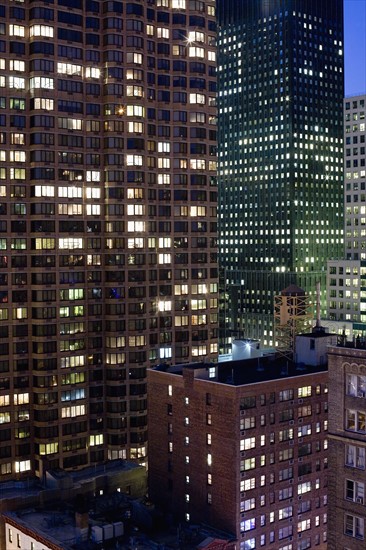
(292, 316)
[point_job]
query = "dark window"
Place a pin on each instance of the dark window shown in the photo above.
(69, 35)
(46, 48)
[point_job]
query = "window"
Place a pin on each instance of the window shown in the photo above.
(285, 435)
(249, 464)
(355, 421)
(285, 454)
(17, 82)
(355, 457)
(284, 494)
(304, 430)
(247, 423)
(248, 504)
(247, 402)
(355, 491)
(22, 466)
(247, 525)
(303, 525)
(356, 385)
(197, 99)
(40, 30)
(247, 484)
(286, 395)
(354, 526)
(285, 513)
(17, 30)
(246, 444)
(286, 473)
(305, 391)
(303, 488)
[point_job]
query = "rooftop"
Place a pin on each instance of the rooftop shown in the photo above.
(34, 486)
(53, 526)
(245, 371)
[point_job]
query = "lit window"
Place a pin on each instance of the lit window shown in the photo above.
(305, 391)
(16, 82)
(92, 72)
(197, 98)
(248, 443)
(22, 466)
(17, 65)
(355, 457)
(195, 51)
(44, 103)
(135, 58)
(162, 32)
(16, 30)
(355, 421)
(42, 82)
(96, 440)
(41, 30)
(247, 525)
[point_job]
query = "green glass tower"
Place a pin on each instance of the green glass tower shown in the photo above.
(281, 87)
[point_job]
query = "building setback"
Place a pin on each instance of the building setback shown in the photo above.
(347, 446)
(242, 446)
(280, 94)
(107, 220)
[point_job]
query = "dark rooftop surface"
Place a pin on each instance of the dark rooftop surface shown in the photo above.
(247, 371)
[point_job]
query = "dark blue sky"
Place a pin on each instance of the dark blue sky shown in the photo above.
(355, 46)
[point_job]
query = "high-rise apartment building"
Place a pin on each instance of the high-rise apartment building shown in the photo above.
(242, 446)
(280, 95)
(347, 446)
(107, 219)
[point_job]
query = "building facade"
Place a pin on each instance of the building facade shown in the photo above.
(345, 286)
(355, 177)
(346, 296)
(242, 445)
(107, 219)
(280, 83)
(347, 447)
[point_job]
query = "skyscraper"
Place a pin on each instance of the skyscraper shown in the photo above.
(345, 292)
(280, 90)
(107, 219)
(355, 177)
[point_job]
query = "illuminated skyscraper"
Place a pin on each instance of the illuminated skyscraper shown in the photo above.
(280, 82)
(107, 219)
(355, 177)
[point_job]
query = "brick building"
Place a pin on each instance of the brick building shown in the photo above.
(347, 446)
(107, 220)
(242, 445)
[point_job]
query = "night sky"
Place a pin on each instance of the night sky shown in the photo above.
(355, 46)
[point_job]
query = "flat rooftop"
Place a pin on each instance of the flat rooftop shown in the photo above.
(33, 486)
(246, 371)
(56, 527)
